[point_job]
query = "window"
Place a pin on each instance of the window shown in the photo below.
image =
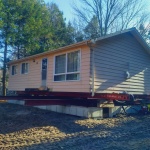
(24, 68)
(14, 70)
(67, 66)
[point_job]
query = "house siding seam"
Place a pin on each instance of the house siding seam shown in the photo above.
(113, 57)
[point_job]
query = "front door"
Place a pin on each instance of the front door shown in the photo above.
(44, 71)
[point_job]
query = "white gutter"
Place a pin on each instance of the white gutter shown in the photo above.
(93, 72)
(91, 45)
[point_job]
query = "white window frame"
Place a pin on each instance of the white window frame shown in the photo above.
(66, 73)
(15, 72)
(27, 70)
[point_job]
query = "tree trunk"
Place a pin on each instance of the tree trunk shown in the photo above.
(4, 70)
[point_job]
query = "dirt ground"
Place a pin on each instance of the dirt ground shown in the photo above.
(28, 128)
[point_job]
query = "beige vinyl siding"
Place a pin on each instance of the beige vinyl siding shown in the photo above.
(20, 81)
(83, 84)
(116, 55)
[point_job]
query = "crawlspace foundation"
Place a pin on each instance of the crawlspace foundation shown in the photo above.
(88, 112)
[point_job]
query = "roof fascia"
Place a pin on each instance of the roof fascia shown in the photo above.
(50, 52)
(140, 39)
(115, 34)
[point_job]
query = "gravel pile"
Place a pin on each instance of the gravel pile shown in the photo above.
(29, 128)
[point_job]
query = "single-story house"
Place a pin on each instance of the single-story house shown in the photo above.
(113, 63)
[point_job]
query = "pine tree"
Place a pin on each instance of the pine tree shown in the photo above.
(6, 33)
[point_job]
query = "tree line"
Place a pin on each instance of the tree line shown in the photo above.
(101, 17)
(29, 27)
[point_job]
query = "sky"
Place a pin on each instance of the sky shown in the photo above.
(65, 7)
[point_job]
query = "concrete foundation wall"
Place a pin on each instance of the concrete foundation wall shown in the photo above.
(88, 112)
(16, 102)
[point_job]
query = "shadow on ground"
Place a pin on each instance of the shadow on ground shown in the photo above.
(31, 128)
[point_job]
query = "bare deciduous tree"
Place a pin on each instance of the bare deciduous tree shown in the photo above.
(144, 30)
(112, 15)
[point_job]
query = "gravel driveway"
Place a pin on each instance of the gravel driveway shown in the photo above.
(29, 128)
